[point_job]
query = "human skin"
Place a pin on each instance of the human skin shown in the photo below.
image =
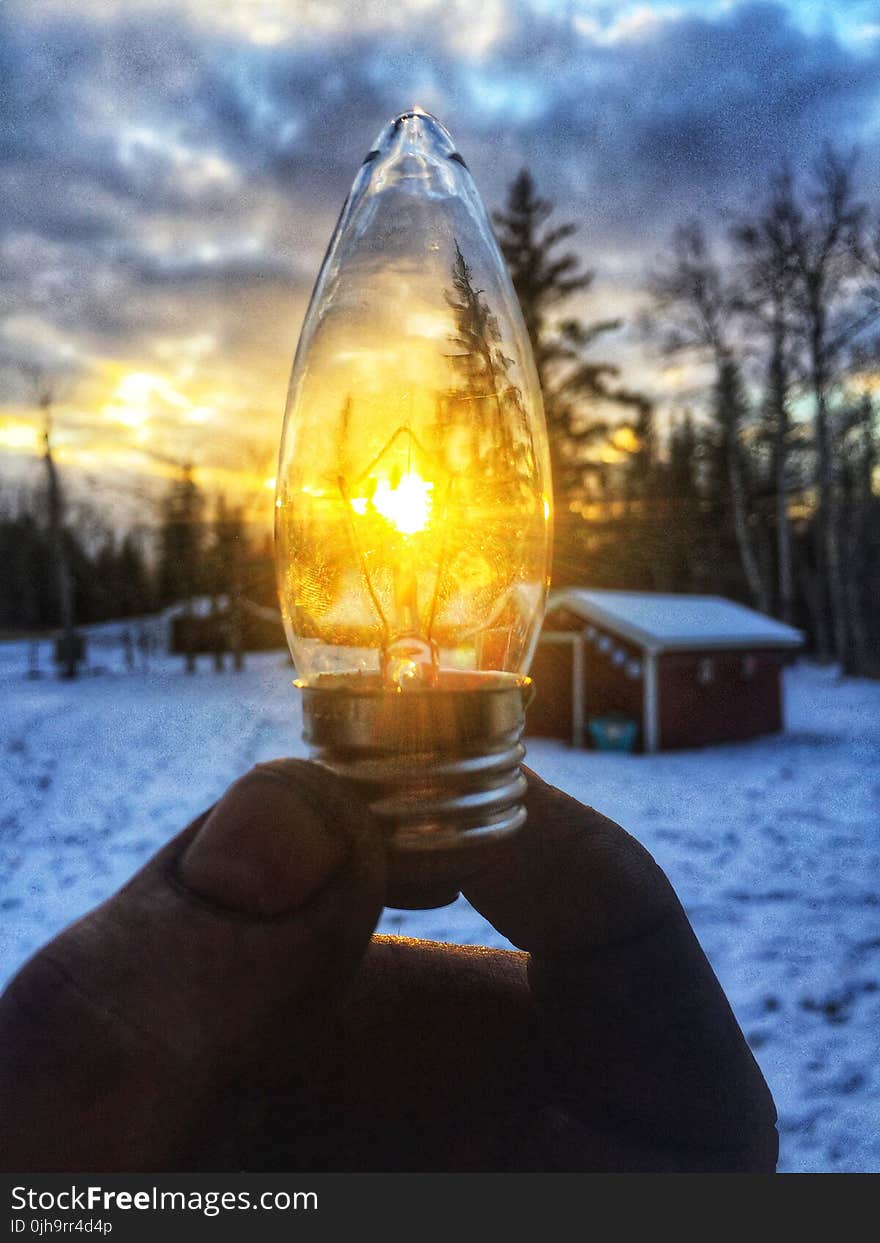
(231, 1008)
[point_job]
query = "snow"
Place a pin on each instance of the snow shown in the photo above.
(666, 622)
(772, 845)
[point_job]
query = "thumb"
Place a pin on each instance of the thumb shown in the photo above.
(220, 957)
(277, 836)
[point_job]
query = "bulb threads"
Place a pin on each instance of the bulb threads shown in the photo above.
(440, 768)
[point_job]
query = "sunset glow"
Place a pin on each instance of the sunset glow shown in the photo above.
(167, 206)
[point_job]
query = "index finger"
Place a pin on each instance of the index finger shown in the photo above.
(571, 880)
(643, 1037)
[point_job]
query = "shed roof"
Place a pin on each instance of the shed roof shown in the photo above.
(659, 622)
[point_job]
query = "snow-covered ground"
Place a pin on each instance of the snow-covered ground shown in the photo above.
(773, 846)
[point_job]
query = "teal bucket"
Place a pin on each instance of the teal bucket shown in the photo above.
(613, 733)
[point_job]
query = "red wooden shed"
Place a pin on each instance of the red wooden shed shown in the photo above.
(685, 670)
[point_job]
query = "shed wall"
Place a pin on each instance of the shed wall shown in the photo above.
(705, 696)
(607, 689)
(709, 697)
(551, 712)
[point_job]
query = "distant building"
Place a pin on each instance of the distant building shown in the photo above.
(204, 625)
(682, 670)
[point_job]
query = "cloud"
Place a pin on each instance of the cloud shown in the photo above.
(178, 169)
(629, 122)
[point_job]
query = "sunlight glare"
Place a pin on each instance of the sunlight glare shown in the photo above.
(408, 506)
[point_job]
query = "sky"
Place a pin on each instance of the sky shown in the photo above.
(172, 171)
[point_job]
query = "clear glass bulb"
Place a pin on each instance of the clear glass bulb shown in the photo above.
(413, 507)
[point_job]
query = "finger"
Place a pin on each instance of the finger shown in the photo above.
(643, 1038)
(228, 948)
(435, 1062)
(415, 1070)
(571, 880)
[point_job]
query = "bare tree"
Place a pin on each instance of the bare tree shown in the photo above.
(691, 288)
(822, 237)
(56, 516)
(766, 295)
(858, 453)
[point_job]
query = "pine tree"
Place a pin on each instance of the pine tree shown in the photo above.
(181, 541)
(134, 590)
(577, 389)
(582, 396)
(684, 531)
(682, 475)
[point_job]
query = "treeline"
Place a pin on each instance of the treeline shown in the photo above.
(108, 581)
(763, 484)
(200, 548)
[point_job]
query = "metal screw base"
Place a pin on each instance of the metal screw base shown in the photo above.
(439, 765)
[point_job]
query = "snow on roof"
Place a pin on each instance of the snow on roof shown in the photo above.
(664, 622)
(196, 606)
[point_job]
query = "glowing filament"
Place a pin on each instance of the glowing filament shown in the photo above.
(408, 506)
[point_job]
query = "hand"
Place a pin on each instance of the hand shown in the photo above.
(227, 1009)
(650, 1068)
(124, 1040)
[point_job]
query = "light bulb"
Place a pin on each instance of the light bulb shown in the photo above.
(413, 513)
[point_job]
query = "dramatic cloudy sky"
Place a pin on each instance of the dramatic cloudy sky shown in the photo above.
(172, 172)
